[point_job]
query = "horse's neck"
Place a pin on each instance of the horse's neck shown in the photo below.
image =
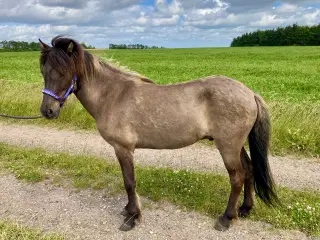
(99, 90)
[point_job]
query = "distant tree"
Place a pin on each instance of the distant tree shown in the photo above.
(287, 36)
(314, 39)
(34, 46)
(131, 46)
(83, 44)
(19, 46)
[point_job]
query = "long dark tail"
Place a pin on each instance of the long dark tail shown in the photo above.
(259, 139)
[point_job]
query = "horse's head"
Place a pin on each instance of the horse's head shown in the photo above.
(60, 66)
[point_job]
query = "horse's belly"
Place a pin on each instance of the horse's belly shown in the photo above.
(166, 144)
(171, 138)
(170, 126)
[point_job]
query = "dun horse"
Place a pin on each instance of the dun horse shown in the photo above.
(133, 112)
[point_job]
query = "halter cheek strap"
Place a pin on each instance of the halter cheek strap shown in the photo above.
(70, 90)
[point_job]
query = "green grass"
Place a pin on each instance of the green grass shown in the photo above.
(203, 192)
(287, 77)
(12, 231)
(22, 67)
(288, 73)
(278, 73)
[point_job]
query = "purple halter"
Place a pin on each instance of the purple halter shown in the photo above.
(66, 95)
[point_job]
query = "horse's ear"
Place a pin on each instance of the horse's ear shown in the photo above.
(70, 48)
(43, 46)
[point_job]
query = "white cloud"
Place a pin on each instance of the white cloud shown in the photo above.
(175, 7)
(267, 21)
(161, 5)
(142, 19)
(310, 18)
(207, 11)
(64, 3)
(165, 21)
(176, 23)
(135, 30)
(286, 8)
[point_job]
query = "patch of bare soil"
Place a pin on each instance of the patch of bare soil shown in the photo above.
(89, 215)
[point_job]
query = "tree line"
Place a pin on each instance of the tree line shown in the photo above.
(87, 46)
(25, 46)
(19, 46)
(131, 46)
(287, 36)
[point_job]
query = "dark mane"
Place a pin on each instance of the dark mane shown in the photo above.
(78, 62)
(74, 62)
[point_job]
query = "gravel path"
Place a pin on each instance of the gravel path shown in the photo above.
(87, 215)
(287, 171)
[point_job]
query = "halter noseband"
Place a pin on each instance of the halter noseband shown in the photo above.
(70, 90)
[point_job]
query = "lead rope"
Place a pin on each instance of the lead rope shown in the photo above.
(20, 117)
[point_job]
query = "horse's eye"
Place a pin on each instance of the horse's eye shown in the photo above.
(57, 74)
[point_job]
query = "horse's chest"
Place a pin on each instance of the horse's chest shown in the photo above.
(117, 132)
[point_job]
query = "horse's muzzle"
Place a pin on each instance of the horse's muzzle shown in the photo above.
(50, 114)
(50, 111)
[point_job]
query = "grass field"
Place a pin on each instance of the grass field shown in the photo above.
(12, 231)
(288, 78)
(203, 192)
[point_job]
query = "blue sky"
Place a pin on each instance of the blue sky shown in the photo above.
(169, 23)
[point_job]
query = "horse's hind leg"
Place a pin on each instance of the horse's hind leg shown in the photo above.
(247, 205)
(132, 210)
(231, 158)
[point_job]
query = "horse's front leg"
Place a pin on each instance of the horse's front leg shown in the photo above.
(132, 210)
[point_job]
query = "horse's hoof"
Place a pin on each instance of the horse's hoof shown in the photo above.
(244, 211)
(222, 224)
(130, 222)
(126, 227)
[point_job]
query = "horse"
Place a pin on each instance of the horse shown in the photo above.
(132, 111)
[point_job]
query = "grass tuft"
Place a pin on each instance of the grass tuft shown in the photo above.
(12, 231)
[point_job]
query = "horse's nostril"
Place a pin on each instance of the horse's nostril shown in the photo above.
(49, 112)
